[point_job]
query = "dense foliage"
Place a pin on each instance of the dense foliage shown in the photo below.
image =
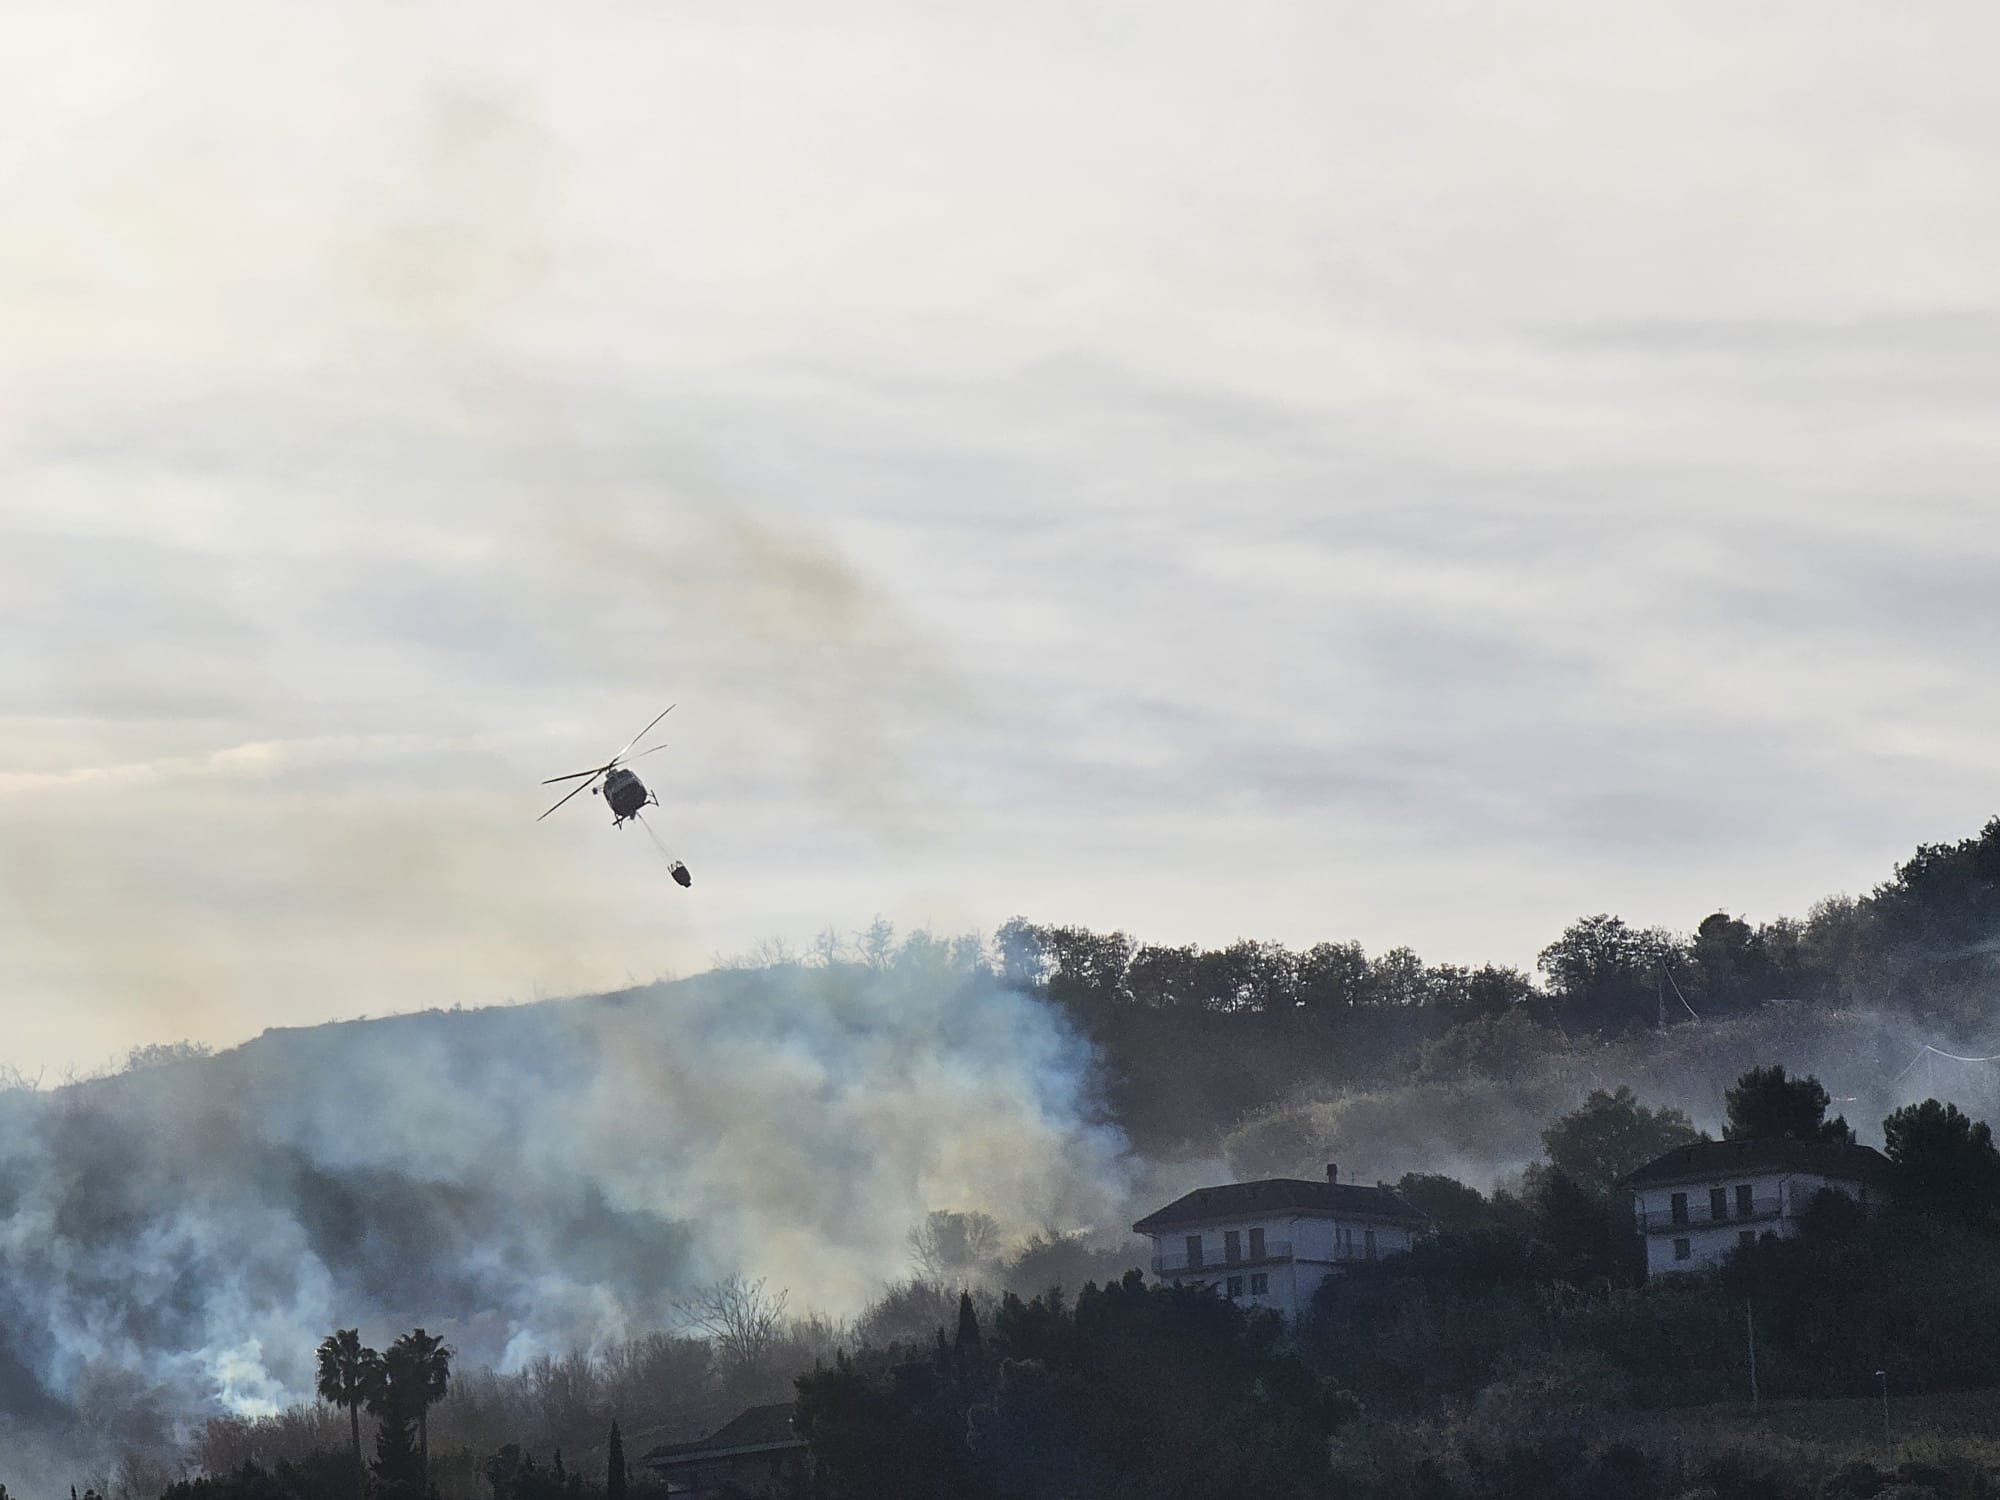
(1134, 1391)
(1193, 1040)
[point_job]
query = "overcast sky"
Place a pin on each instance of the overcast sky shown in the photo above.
(1414, 473)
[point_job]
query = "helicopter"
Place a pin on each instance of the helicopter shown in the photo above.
(623, 791)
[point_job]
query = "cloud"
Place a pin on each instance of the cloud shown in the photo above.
(1359, 453)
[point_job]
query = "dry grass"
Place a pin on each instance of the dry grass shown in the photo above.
(1966, 1420)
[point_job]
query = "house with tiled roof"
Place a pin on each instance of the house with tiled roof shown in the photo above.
(1271, 1243)
(1701, 1201)
(756, 1453)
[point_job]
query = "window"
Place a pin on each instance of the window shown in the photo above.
(1718, 1203)
(1257, 1244)
(1368, 1242)
(1680, 1208)
(1746, 1205)
(1194, 1249)
(1746, 1239)
(1343, 1243)
(1683, 1249)
(1232, 1246)
(1235, 1287)
(1259, 1284)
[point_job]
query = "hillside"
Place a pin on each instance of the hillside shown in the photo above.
(180, 1236)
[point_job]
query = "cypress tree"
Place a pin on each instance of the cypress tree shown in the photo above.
(968, 1340)
(614, 1474)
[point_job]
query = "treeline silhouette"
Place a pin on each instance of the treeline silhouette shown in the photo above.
(1194, 1039)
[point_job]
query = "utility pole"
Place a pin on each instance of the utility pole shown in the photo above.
(1888, 1443)
(1750, 1329)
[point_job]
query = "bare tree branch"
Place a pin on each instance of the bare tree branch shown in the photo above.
(739, 1317)
(949, 1246)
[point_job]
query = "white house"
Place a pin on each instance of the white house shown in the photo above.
(1270, 1244)
(1696, 1204)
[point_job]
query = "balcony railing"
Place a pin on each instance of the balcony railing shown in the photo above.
(1179, 1265)
(1761, 1210)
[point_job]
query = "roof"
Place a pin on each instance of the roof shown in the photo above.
(1279, 1195)
(1708, 1159)
(759, 1427)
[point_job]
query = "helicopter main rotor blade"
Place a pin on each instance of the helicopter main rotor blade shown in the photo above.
(643, 733)
(599, 771)
(644, 753)
(570, 793)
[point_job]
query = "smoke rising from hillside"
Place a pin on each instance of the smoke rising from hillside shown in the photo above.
(1484, 1128)
(525, 1180)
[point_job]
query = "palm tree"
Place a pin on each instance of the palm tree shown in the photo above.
(349, 1375)
(422, 1368)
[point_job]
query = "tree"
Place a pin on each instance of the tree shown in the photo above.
(398, 1464)
(738, 1316)
(828, 948)
(878, 944)
(1945, 897)
(1450, 1205)
(907, 1312)
(1925, 938)
(967, 1344)
(948, 1245)
(1610, 1135)
(503, 1470)
(1584, 1237)
(418, 1370)
(1051, 1257)
(1260, 977)
(1490, 989)
(1022, 953)
(614, 1472)
(925, 954)
(1086, 970)
(1332, 976)
(349, 1374)
(1732, 969)
(1166, 1392)
(1766, 1105)
(1165, 979)
(1944, 1163)
(1495, 1044)
(1397, 978)
(165, 1054)
(1609, 970)
(877, 1430)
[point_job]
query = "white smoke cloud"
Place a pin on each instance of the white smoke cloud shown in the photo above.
(528, 1179)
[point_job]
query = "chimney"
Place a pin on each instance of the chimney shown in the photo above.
(1333, 1171)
